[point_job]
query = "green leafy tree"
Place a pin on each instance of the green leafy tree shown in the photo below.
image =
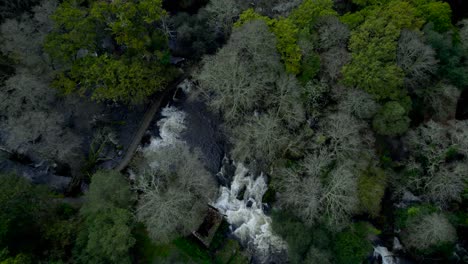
(287, 30)
(111, 50)
(305, 244)
(352, 245)
(451, 54)
(373, 45)
(105, 235)
(391, 120)
(371, 189)
(286, 33)
(309, 11)
(437, 12)
(23, 206)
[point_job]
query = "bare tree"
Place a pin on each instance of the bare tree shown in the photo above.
(434, 141)
(332, 33)
(285, 101)
(317, 191)
(333, 61)
(10, 8)
(429, 230)
(261, 139)
(434, 145)
(348, 137)
(358, 103)
(223, 14)
(29, 123)
(25, 92)
(22, 38)
(442, 100)
(464, 33)
(339, 198)
(300, 194)
(175, 191)
(242, 72)
(416, 59)
(447, 184)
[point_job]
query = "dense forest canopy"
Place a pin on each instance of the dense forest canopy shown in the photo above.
(355, 112)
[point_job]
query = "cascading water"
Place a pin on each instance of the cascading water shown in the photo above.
(386, 256)
(171, 125)
(246, 216)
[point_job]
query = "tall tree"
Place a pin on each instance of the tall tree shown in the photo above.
(105, 235)
(175, 191)
(112, 50)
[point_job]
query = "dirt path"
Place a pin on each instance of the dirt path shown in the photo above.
(146, 121)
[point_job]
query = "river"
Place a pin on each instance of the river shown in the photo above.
(240, 193)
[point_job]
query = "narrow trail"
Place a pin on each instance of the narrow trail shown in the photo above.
(155, 105)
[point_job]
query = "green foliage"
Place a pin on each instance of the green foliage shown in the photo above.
(436, 12)
(352, 245)
(310, 10)
(129, 70)
(192, 249)
(373, 45)
(231, 253)
(406, 215)
(18, 259)
(181, 250)
(451, 55)
(310, 67)
(369, 2)
(391, 120)
(105, 236)
(353, 20)
(286, 33)
(295, 233)
(32, 226)
(20, 214)
(371, 189)
(60, 232)
(250, 15)
(299, 237)
(119, 80)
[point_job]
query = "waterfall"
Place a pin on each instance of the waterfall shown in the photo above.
(387, 256)
(171, 125)
(246, 216)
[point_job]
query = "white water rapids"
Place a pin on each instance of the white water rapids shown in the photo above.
(241, 202)
(245, 214)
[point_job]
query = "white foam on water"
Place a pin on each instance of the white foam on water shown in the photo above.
(387, 256)
(246, 215)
